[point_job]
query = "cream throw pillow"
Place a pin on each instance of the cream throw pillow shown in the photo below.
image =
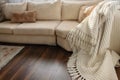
(10, 8)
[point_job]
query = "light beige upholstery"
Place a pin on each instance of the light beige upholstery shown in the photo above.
(63, 43)
(10, 8)
(49, 32)
(29, 39)
(64, 27)
(37, 28)
(115, 35)
(46, 10)
(7, 27)
(70, 9)
(62, 30)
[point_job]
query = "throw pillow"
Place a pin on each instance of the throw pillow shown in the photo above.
(85, 11)
(27, 16)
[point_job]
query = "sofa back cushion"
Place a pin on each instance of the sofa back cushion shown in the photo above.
(10, 8)
(71, 9)
(46, 10)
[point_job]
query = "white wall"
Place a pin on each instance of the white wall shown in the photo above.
(15, 1)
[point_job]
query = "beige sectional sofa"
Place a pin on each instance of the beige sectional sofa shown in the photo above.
(54, 21)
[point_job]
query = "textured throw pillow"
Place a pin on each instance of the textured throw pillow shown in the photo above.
(85, 11)
(27, 16)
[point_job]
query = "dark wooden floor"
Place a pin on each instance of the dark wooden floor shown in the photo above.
(38, 63)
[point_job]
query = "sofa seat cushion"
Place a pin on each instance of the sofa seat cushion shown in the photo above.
(7, 27)
(37, 28)
(64, 27)
(46, 40)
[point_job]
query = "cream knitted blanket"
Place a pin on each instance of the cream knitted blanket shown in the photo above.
(90, 40)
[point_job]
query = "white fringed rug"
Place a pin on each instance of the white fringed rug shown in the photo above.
(7, 53)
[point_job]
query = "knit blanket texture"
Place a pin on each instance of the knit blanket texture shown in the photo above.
(90, 40)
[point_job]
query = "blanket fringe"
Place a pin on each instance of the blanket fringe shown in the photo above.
(74, 73)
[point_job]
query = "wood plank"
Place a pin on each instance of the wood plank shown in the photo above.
(38, 62)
